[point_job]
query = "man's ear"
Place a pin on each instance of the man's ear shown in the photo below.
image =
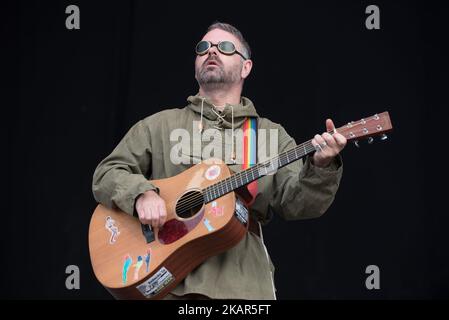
(246, 68)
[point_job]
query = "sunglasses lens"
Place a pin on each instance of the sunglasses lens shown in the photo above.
(202, 47)
(226, 47)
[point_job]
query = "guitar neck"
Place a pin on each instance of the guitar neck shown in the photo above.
(365, 128)
(262, 169)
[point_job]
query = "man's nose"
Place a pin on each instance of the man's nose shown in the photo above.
(213, 50)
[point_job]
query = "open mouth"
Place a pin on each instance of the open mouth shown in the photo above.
(212, 63)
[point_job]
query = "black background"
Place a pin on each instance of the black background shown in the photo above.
(70, 95)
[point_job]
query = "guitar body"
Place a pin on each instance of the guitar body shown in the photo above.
(132, 265)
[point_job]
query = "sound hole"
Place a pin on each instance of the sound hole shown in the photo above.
(189, 204)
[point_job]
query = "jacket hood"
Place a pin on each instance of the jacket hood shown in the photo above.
(240, 112)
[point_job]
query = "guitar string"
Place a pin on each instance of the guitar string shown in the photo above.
(219, 185)
(353, 124)
(197, 199)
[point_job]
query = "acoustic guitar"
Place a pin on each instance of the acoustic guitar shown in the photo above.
(207, 214)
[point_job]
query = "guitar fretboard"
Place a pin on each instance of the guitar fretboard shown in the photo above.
(257, 171)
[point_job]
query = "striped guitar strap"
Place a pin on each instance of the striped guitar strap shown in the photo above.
(250, 149)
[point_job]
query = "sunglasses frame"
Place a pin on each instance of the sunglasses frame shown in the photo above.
(219, 49)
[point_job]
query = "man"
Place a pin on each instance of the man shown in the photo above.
(297, 191)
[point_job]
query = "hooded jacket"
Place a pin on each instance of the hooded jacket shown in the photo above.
(299, 190)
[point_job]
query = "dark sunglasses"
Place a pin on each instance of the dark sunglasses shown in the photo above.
(225, 47)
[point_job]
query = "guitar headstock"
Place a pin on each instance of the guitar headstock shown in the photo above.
(376, 125)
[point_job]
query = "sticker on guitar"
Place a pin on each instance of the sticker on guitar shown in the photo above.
(127, 261)
(241, 212)
(137, 267)
(212, 172)
(113, 229)
(156, 283)
(208, 225)
(215, 210)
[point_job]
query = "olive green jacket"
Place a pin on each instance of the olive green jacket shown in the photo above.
(297, 191)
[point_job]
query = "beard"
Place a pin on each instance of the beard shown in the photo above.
(216, 76)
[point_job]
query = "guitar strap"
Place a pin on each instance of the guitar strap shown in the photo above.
(250, 149)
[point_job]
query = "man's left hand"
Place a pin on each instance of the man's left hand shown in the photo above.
(328, 146)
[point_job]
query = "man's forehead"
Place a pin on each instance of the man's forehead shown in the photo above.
(217, 35)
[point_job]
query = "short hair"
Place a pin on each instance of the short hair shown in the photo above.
(234, 31)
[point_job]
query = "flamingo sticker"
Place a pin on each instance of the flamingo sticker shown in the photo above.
(137, 267)
(147, 259)
(126, 265)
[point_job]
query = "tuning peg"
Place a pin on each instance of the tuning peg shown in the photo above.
(383, 137)
(356, 143)
(370, 140)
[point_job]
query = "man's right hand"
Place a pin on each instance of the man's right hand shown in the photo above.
(151, 209)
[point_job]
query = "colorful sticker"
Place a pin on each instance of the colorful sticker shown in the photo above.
(147, 259)
(113, 229)
(126, 265)
(241, 212)
(161, 279)
(137, 267)
(212, 172)
(208, 226)
(215, 210)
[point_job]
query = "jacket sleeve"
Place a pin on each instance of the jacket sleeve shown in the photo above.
(302, 190)
(122, 176)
